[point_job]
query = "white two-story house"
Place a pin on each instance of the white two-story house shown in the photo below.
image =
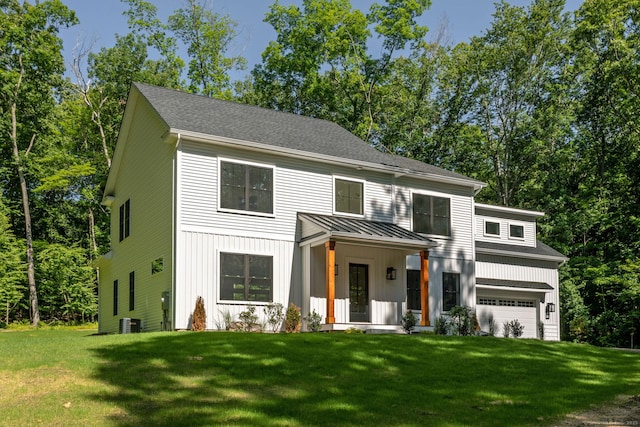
(247, 206)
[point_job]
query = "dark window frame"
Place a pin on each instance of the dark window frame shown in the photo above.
(450, 290)
(125, 220)
(115, 297)
(132, 291)
(244, 285)
(486, 229)
(426, 220)
(340, 200)
(413, 290)
(244, 193)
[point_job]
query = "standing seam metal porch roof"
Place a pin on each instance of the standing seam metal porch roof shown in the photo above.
(355, 229)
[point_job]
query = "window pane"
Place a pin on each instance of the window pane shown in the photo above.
(492, 228)
(349, 197)
(232, 186)
(450, 290)
(441, 223)
(413, 290)
(516, 231)
(254, 285)
(421, 213)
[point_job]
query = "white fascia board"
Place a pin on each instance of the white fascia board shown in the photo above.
(515, 289)
(509, 210)
(360, 165)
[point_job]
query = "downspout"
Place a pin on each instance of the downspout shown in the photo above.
(174, 237)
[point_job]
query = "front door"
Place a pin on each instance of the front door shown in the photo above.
(358, 292)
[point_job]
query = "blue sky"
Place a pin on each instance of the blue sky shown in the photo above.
(100, 20)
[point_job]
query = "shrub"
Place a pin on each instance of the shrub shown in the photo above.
(460, 320)
(353, 330)
(408, 322)
(274, 313)
(226, 321)
(292, 319)
(314, 321)
(199, 317)
(248, 319)
(441, 326)
(506, 329)
(541, 330)
(516, 328)
(493, 325)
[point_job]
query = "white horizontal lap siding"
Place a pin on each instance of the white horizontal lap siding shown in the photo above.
(529, 231)
(379, 199)
(198, 273)
(145, 177)
(438, 266)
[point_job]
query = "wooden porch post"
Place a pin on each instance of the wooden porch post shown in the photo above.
(330, 248)
(424, 288)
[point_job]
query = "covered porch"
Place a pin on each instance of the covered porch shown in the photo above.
(354, 272)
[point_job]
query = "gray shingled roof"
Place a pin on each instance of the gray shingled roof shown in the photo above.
(514, 284)
(540, 249)
(194, 113)
(361, 229)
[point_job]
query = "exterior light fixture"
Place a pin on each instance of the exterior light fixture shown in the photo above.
(550, 308)
(335, 269)
(391, 273)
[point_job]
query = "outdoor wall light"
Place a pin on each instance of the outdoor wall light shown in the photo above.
(391, 273)
(550, 308)
(335, 269)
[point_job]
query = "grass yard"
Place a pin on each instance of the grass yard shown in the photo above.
(63, 377)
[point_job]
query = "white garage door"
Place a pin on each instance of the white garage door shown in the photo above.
(506, 310)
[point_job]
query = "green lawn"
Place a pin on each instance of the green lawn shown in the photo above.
(60, 377)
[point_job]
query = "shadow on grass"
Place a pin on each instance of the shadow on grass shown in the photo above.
(341, 379)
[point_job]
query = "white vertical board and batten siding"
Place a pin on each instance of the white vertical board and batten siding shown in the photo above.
(200, 253)
(145, 178)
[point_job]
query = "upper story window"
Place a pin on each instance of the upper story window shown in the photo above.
(349, 196)
(431, 214)
(491, 228)
(516, 231)
(246, 187)
(245, 277)
(125, 220)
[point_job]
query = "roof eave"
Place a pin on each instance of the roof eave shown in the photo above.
(521, 255)
(357, 164)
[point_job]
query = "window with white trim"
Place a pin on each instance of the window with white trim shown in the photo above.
(491, 228)
(516, 231)
(349, 196)
(245, 277)
(125, 220)
(246, 187)
(431, 214)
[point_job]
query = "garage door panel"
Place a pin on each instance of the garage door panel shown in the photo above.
(527, 316)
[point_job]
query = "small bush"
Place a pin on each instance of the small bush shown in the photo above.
(541, 330)
(409, 322)
(292, 319)
(353, 330)
(506, 329)
(516, 328)
(274, 313)
(248, 319)
(314, 321)
(199, 317)
(3, 325)
(441, 326)
(493, 325)
(461, 320)
(226, 320)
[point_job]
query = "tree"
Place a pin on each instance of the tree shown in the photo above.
(320, 66)
(208, 37)
(11, 267)
(30, 71)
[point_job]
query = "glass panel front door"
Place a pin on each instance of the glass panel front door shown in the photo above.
(358, 292)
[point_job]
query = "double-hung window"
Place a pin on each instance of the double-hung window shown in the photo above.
(125, 220)
(132, 291)
(431, 214)
(246, 187)
(450, 290)
(245, 277)
(115, 297)
(349, 196)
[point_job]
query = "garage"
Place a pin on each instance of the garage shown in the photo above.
(510, 300)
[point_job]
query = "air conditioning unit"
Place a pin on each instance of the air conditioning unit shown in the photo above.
(128, 325)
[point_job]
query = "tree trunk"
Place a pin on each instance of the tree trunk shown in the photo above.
(34, 313)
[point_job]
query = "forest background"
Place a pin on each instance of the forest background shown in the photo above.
(543, 107)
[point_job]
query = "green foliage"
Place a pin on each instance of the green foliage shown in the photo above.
(224, 322)
(409, 321)
(248, 319)
(293, 318)
(274, 312)
(516, 328)
(506, 329)
(441, 326)
(353, 330)
(313, 321)
(199, 316)
(460, 317)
